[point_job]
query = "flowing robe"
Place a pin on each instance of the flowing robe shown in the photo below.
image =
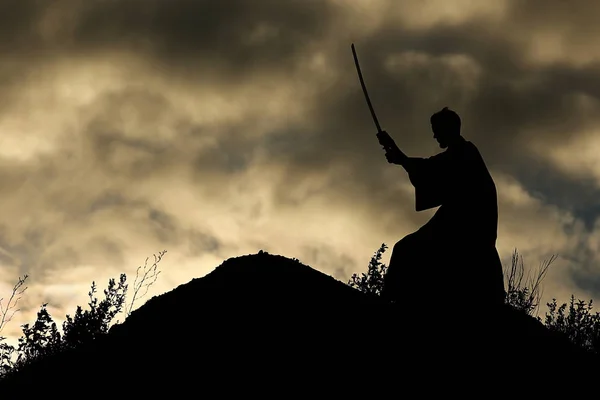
(454, 254)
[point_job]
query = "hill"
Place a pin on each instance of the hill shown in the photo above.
(264, 320)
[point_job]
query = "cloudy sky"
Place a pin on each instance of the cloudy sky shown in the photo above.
(216, 129)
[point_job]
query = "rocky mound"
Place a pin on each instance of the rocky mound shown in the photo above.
(265, 321)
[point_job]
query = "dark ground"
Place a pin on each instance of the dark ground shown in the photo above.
(264, 323)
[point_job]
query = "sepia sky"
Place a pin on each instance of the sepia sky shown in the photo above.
(216, 129)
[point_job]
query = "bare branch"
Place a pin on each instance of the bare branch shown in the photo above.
(536, 288)
(148, 278)
(523, 290)
(7, 312)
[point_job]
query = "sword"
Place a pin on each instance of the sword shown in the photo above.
(389, 141)
(364, 88)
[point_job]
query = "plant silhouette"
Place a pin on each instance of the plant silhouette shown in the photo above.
(43, 338)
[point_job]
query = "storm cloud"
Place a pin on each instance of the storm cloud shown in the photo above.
(214, 129)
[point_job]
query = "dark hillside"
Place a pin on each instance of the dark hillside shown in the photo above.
(269, 320)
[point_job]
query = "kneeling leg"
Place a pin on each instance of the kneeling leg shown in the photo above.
(402, 255)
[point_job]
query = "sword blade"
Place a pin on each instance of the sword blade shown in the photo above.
(364, 88)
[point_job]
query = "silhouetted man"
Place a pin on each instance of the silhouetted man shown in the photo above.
(453, 257)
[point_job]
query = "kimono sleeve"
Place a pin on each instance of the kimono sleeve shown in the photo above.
(428, 176)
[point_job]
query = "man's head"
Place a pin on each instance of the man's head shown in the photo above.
(445, 125)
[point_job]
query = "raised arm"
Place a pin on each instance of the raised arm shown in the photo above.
(427, 175)
(392, 153)
(413, 165)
